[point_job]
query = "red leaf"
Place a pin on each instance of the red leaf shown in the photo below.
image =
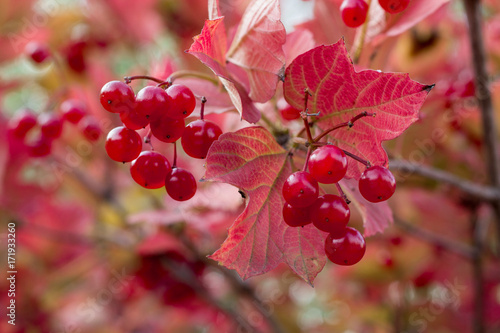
(258, 47)
(210, 46)
(376, 216)
(259, 239)
(297, 42)
(339, 93)
(241, 101)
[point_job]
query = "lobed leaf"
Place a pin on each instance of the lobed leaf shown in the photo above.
(259, 239)
(339, 93)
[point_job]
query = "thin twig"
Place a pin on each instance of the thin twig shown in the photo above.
(185, 275)
(482, 192)
(477, 273)
(239, 285)
(460, 249)
(483, 95)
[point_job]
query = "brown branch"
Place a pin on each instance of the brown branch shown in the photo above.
(483, 192)
(460, 249)
(239, 285)
(483, 95)
(185, 275)
(477, 272)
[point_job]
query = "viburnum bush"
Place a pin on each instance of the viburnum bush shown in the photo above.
(177, 152)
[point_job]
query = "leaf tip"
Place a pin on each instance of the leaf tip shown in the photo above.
(428, 88)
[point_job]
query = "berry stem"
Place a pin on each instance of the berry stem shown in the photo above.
(179, 74)
(357, 158)
(306, 162)
(349, 124)
(304, 116)
(202, 109)
(174, 163)
(361, 41)
(342, 194)
(129, 79)
(147, 139)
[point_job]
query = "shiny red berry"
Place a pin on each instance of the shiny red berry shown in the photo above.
(167, 129)
(347, 249)
(394, 6)
(150, 169)
(296, 217)
(180, 184)
(300, 189)
(328, 164)
(153, 103)
(123, 144)
(183, 101)
(198, 137)
(353, 12)
(117, 97)
(377, 184)
(330, 213)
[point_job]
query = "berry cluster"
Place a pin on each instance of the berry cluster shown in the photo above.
(327, 164)
(164, 111)
(354, 12)
(330, 213)
(39, 132)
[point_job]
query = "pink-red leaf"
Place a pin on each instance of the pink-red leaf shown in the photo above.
(376, 216)
(257, 47)
(339, 93)
(210, 46)
(259, 239)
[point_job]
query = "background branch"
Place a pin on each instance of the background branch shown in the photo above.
(483, 192)
(460, 249)
(483, 95)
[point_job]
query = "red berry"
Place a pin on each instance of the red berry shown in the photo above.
(40, 147)
(330, 213)
(353, 12)
(74, 54)
(73, 110)
(22, 122)
(180, 184)
(167, 129)
(287, 111)
(296, 217)
(152, 103)
(183, 101)
(90, 128)
(377, 184)
(50, 125)
(394, 6)
(150, 169)
(198, 137)
(300, 189)
(328, 164)
(123, 144)
(347, 249)
(117, 97)
(133, 120)
(38, 52)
